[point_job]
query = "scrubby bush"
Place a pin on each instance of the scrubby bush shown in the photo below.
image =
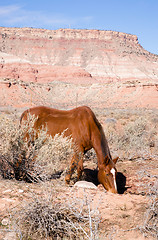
(150, 226)
(49, 217)
(33, 158)
(150, 223)
(135, 138)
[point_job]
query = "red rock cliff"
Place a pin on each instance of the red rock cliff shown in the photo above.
(105, 55)
(74, 67)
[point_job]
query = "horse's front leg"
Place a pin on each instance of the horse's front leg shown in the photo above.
(71, 169)
(77, 161)
(80, 168)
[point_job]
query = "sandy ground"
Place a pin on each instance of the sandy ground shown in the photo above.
(122, 215)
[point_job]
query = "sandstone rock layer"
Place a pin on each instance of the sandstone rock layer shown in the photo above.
(100, 67)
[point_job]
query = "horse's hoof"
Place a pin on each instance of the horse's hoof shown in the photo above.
(67, 180)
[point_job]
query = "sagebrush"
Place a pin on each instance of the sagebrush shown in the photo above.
(34, 158)
(133, 138)
(150, 223)
(47, 216)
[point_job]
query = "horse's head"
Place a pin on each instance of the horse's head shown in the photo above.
(107, 174)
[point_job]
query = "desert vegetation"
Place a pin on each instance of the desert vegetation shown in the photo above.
(32, 158)
(132, 134)
(49, 215)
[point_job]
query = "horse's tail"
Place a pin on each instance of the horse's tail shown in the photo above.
(23, 115)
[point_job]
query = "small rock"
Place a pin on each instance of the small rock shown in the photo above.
(7, 191)
(5, 221)
(110, 120)
(21, 191)
(85, 184)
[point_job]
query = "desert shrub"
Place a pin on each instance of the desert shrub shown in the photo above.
(33, 158)
(48, 217)
(151, 218)
(135, 135)
(111, 133)
(150, 223)
(135, 138)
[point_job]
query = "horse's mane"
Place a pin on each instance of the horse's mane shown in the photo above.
(104, 143)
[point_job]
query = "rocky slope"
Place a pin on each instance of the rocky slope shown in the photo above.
(112, 67)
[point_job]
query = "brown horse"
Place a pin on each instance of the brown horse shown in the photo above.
(87, 133)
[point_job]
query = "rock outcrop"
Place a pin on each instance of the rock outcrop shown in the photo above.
(111, 67)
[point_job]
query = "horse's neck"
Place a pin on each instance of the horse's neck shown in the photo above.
(102, 149)
(100, 143)
(105, 147)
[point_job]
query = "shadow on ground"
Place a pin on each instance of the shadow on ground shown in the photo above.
(91, 176)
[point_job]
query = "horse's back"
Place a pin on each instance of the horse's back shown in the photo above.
(76, 121)
(43, 111)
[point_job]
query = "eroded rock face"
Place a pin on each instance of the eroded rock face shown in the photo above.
(44, 73)
(101, 67)
(106, 55)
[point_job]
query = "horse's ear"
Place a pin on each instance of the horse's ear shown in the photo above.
(106, 160)
(115, 160)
